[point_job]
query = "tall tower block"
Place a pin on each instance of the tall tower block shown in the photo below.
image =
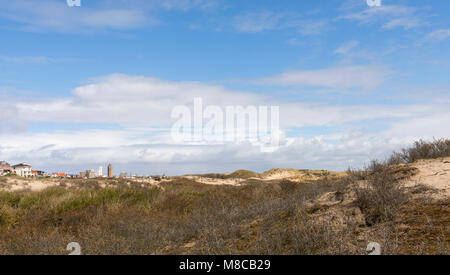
(110, 171)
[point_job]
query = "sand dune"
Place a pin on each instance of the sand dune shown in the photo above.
(433, 173)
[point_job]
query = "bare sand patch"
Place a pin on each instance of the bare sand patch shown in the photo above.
(17, 184)
(433, 173)
(215, 181)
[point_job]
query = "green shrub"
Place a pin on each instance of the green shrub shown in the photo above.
(7, 219)
(10, 199)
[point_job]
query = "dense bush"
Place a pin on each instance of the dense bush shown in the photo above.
(422, 150)
(380, 195)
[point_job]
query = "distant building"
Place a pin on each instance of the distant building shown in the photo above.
(23, 170)
(123, 175)
(4, 165)
(90, 174)
(38, 173)
(59, 175)
(5, 168)
(110, 171)
(100, 172)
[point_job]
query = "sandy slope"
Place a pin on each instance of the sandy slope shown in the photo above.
(434, 173)
(276, 174)
(213, 181)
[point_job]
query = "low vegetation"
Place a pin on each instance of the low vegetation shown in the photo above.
(331, 215)
(136, 220)
(380, 193)
(244, 174)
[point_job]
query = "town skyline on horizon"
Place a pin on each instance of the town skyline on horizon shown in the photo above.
(87, 86)
(8, 169)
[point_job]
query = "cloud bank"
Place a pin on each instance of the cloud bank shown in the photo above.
(139, 109)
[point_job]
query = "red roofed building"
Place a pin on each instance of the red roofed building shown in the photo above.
(59, 175)
(5, 168)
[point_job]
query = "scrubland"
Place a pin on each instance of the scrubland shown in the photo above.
(395, 203)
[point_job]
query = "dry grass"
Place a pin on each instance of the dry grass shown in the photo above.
(185, 217)
(132, 220)
(423, 227)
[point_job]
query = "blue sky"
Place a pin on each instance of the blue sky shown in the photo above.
(85, 86)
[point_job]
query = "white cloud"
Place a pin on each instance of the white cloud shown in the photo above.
(25, 59)
(313, 27)
(133, 101)
(256, 22)
(186, 5)
(365, 77)
(130, 100)
(57, 16)
(77, 151)
(391, 16)
(302, 114)
(100, 15)
(141, 106)
(39, 60)
(439, 35)
(253, 22)
(347, 47)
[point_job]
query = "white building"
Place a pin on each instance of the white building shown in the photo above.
(23, 170)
